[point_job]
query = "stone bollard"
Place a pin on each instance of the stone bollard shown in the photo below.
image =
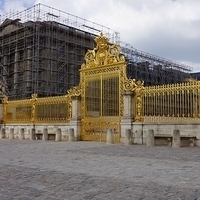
(150, 138)
(128, 137)
(109, 137)
(11, 134)
(192, 142)
(176, 138)
(3, 133)
(45, 134)
(21, 134)
(138, 139)
(58, 135)
(32, 135)
(71, 135)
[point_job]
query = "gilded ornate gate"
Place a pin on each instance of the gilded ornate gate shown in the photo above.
(101, 83)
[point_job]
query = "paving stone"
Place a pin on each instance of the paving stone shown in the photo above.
(91, 170)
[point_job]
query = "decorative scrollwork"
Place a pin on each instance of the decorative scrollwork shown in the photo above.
(5, 100)
(139, 94)
(33, 101)
(74, 92)
(102, 54)
(34, 97)
(130, 85)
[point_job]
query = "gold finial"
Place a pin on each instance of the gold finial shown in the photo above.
(101, 40)
(34, 96)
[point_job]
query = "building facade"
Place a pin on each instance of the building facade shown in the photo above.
(41, 57)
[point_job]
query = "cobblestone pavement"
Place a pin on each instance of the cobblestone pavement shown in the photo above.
(90, 170)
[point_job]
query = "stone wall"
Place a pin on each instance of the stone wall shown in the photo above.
(15, 131)
(140, 130)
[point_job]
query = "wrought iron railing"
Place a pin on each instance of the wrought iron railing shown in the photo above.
(174, 102)
(56, 109)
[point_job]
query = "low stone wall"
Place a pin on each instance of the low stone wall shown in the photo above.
(140, 130)
(136, 133)
(25, 131)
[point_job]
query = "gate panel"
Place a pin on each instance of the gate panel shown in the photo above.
(101, 83)
(101, 106)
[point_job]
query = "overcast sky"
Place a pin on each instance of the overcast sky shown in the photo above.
(166, 28)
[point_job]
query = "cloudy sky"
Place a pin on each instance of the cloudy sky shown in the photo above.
(166, 28)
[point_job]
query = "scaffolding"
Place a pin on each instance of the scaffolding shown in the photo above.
(42, 49)
(154, 70)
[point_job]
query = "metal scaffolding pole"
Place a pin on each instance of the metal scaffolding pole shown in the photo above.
(152, 69)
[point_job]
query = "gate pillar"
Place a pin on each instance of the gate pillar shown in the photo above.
(127, 118)
(75, 122)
